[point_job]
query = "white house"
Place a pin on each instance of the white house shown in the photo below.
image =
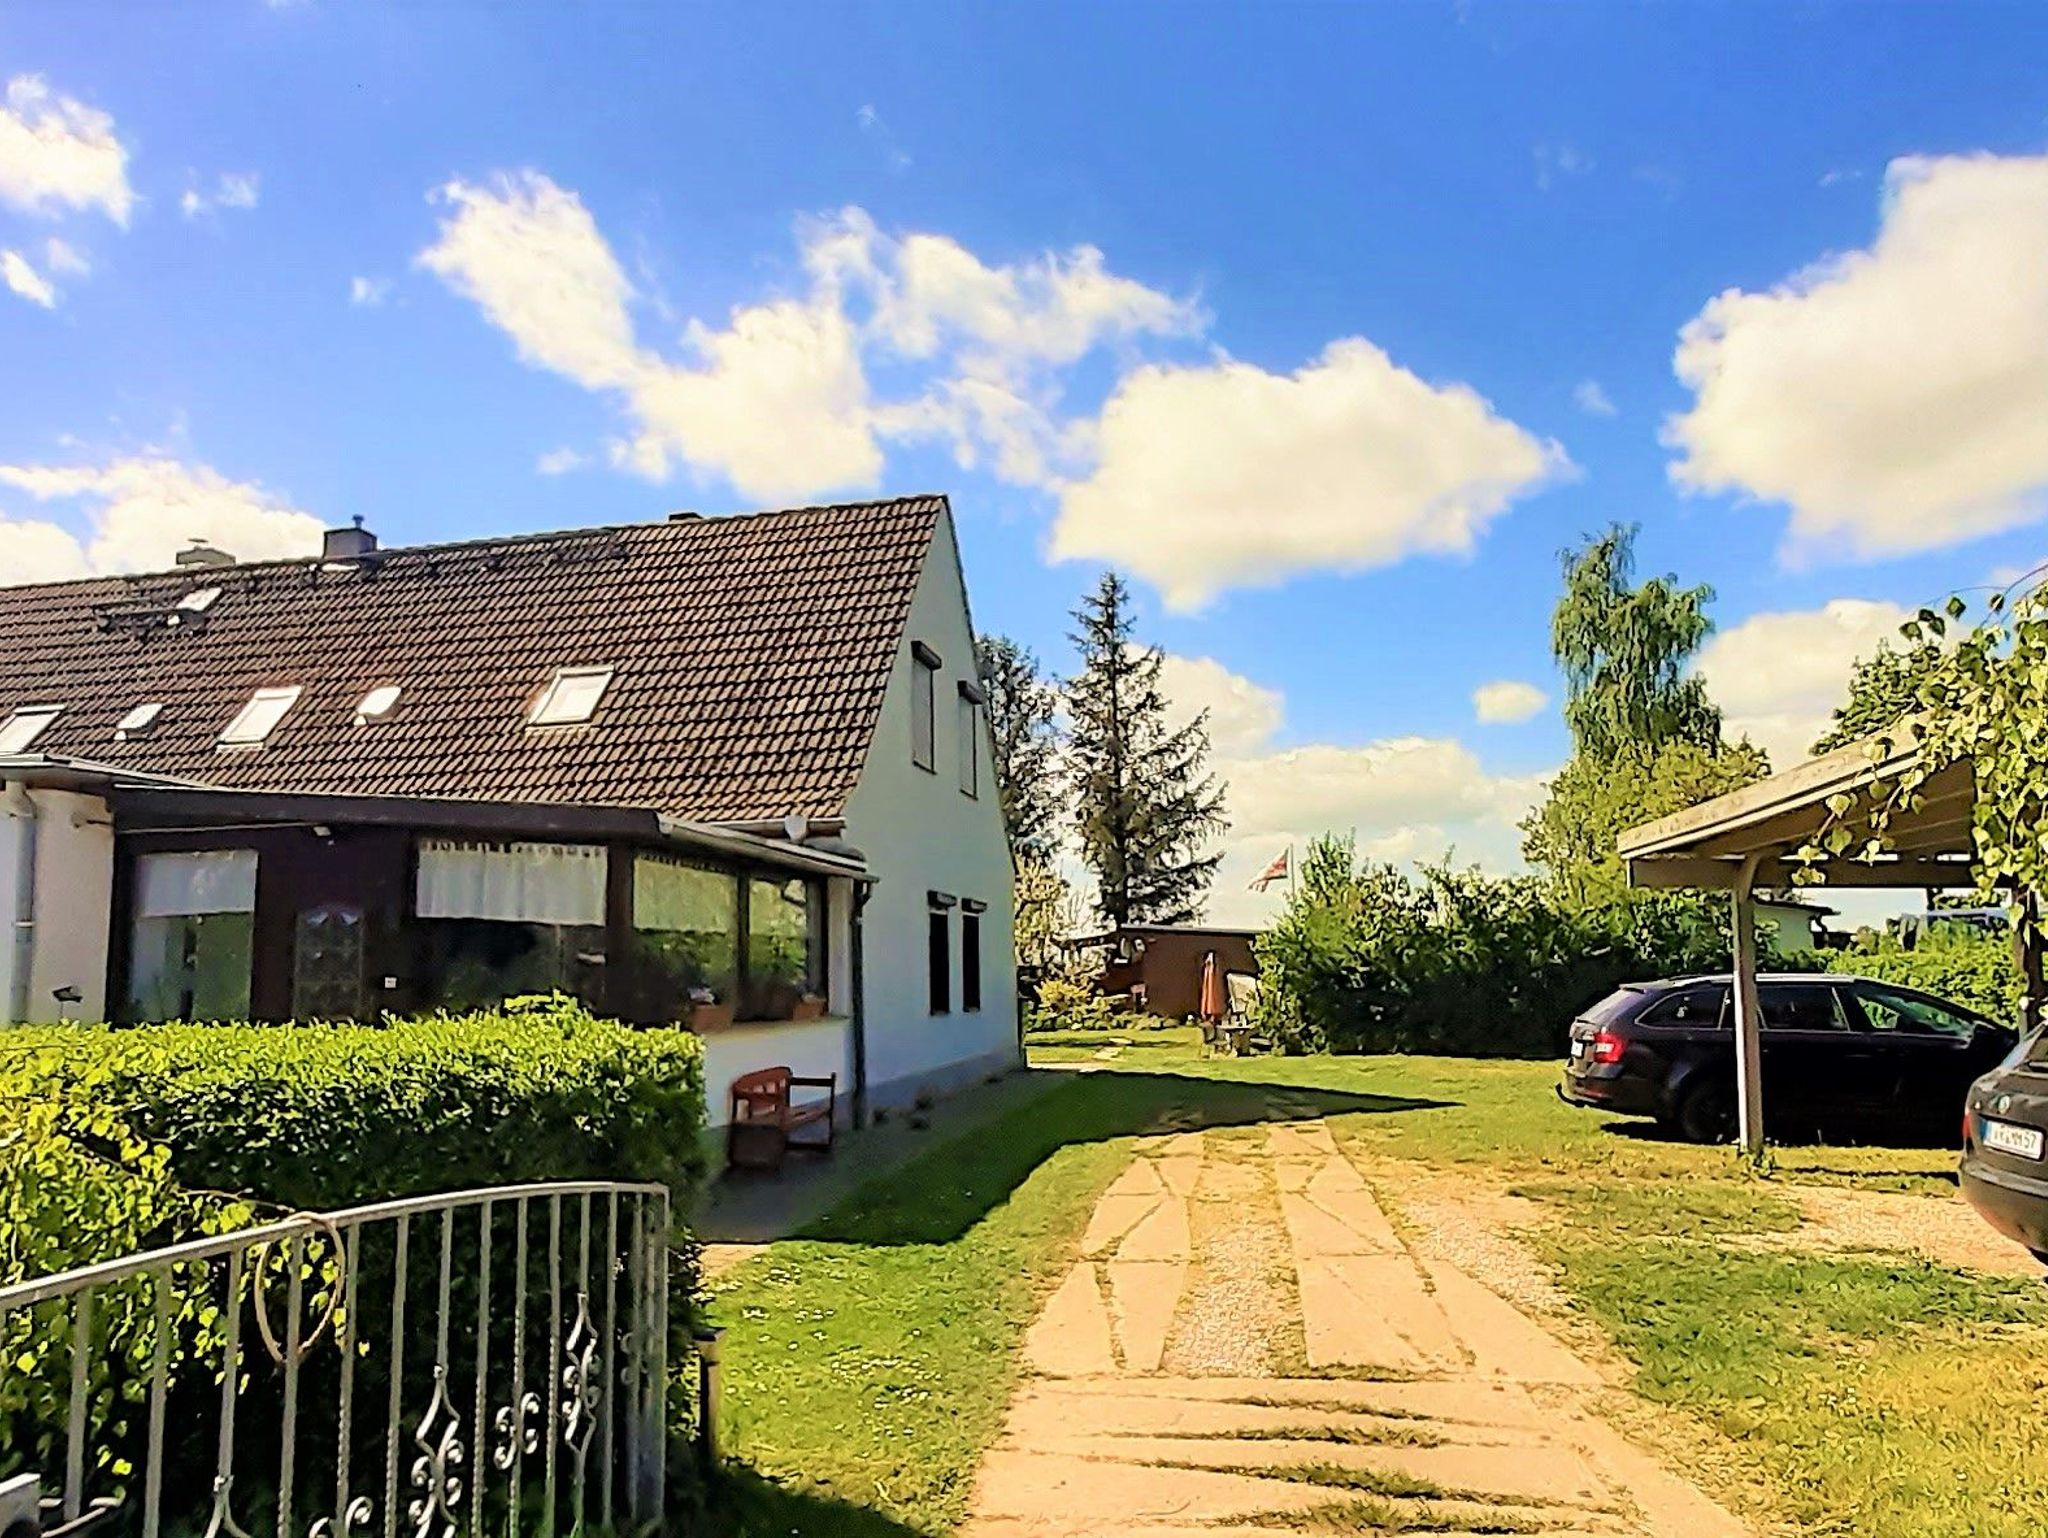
(731, 773)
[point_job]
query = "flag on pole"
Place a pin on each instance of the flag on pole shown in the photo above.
(1277, 871)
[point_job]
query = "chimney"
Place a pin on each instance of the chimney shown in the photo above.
(347, 544)
(200, 553)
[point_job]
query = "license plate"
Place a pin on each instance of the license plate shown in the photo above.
(1578, 1049)
(2007, 1138)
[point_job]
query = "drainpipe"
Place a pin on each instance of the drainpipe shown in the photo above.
(21, 809)
(859, 1017)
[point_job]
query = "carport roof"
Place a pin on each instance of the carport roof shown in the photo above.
(1705, 845)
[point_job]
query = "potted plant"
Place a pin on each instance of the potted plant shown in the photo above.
(810, 1007)
(708, 1012)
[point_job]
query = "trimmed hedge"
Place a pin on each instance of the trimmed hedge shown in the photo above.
(1971, 969)
(114, 1140)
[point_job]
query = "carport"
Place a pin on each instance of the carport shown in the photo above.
(1745, 840)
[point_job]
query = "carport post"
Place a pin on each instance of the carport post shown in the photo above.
(1749, 1057)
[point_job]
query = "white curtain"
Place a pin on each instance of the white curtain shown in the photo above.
(208, 881)
(517, 883)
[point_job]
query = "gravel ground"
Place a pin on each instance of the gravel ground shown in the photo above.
(1941, 1229)
(1455, 1218)
(1239, 1284)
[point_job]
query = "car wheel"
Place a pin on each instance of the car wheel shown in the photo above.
(1707, 1114)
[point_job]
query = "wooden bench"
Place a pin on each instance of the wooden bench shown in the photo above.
(763, 1120)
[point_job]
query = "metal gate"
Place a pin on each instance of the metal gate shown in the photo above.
(491, 1363)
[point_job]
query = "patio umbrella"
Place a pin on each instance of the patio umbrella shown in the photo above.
(1213, 1005)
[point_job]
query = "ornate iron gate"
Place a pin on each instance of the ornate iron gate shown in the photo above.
(490, 1363)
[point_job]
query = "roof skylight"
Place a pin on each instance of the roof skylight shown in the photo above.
(193, 606)
(377, 705)
(255, 721)
(571, 697)
(25, 726)
(139, 722)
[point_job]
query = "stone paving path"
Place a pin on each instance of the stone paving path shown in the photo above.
(1246, 1346)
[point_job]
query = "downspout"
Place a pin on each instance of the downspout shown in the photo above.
(859, 1016)
(21, 808)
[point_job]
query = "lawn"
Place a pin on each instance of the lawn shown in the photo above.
(870, 1359)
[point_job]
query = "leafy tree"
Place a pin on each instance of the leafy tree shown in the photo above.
(1045, 912)
(1989, 705)
(1573, 834)
(1646, 740)
(1022, 702)
(1144, 802)
(1624, 649)
(1885, 688)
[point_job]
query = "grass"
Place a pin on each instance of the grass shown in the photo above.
(869, 1360)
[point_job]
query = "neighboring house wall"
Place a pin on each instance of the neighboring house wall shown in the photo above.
(1170, 970)
(1790, 926)
(920, 833)
(74, 875)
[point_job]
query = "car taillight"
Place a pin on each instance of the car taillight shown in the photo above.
(1966, 1126)
(1606, 1047)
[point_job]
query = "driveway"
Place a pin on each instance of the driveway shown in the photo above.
(1247, 1346)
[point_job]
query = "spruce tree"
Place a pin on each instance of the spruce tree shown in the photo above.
(1022, 703)
(1144, 802)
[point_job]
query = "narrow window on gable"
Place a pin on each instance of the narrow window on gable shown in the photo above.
(971, 698)
(924, 669)
(255, 721)
(25, 726)
(571, 697)
(939, 953)
(970, 957)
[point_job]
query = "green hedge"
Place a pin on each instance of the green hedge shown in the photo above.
(115, 1140)
(1973, 969)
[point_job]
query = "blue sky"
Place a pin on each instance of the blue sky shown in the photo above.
(1330, 324)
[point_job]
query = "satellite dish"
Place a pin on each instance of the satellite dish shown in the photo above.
(796, 827)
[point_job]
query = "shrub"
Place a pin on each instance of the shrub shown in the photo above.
(117, 1140)
(1969, 968)
(1367, 959)
(1067, 1005)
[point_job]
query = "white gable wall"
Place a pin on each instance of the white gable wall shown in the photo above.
(921, 834)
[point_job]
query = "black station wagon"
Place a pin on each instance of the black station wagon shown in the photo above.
(1838, 1053)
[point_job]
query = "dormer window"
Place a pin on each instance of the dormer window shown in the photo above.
(571, 697)
(377, 705)
(139, 722)
(255, 721)
(25, 726)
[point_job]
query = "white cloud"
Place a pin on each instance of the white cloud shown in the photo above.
(60, 256)
(1227, 475)
(1778, 677)
(877, 128)
(139, 512)
(561, 461)
(1894, 397)
(1507, 700)
(368, 293)
(1243, 716)
(20, 275)
(1405, 798)
(1557, 162)
(56, 153)
(777, 399)
(1590, 398)
(231, 189)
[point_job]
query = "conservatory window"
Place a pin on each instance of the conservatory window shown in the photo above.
(191, 936)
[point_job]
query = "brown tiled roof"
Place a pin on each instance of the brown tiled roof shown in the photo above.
(751, 656)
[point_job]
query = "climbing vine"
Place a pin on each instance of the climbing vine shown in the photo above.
(1985, 701)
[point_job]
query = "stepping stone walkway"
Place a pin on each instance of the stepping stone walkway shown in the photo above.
(1246, 1346)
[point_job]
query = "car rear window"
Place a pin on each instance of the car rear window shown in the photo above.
(1614, 1006)
(1698, 1006)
